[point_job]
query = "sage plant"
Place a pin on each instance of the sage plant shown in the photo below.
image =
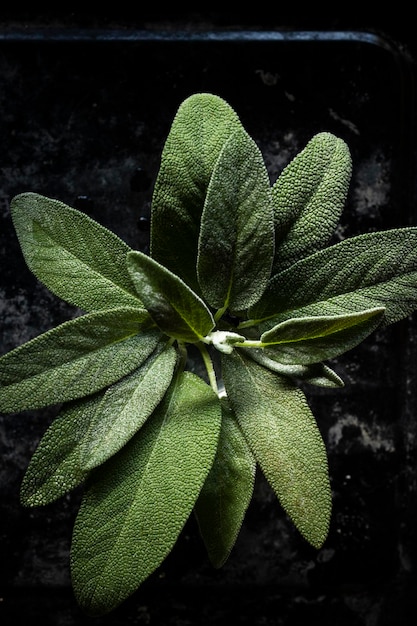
(241, 271)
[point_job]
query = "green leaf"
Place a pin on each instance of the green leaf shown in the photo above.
(282, 433)
(367, 271)
(174, 307)
(317, 374)
(227, 492)
(75, 257)
(138, 502)
(304, 340)
(236, 246)
(125, 407)
(75, 359)
(201, 126)
(89, 431)
(55, 466)
(309, 197)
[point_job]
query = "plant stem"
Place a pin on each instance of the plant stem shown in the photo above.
(209, 367)
(219, 313)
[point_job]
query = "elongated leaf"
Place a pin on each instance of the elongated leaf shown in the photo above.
(174, 307)
(200, 128)
(364, 272)
(137, 503)
(236, 246)
(304, 340)
(317, 374)
(309, 197)
(283, 436)
(125, 407)
(88, 431)
(55, 467)
(75, 359)
(75, 257)
(227, 492)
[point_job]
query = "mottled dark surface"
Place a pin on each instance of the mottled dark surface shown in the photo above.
(85, 122)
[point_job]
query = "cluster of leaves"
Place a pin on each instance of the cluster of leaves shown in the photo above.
(243, 271)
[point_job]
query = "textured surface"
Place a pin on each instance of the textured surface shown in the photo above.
(285, 440)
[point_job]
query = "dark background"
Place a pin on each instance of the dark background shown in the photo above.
(86, 102)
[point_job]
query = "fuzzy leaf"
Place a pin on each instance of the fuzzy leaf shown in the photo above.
(75, 359)
(89, 431)
(317, 374)
(227, 492)
(304, 340)
(309, 197)
(125, 407)
(174, 307)
(200, 128)
(75, 257)
(236, 246)
(55, 466)
(367, 271)
(138, 502)
(281, 431)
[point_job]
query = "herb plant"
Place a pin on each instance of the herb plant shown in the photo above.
(240, 272)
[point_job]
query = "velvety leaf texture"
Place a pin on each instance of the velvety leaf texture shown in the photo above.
(284, 438)
(138, 502)
(55, 466)
(200, 128)
(227, 492)
(367, 271)
(175, 308)
(75, 257)
(304, 340)
(314, 373)
(236, 227)
(75, 359)
(125, 407)
(309, 197)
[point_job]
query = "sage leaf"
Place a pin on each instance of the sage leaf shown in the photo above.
(137, 503)
(125, 407)
(367, 271)
(75, 359)
(227, 492)
(236, 245)
(174, 307)
(308, 198)
(55, 468)
(282, 433)
(202, 125)
(75, 257)
(304, 340)
(317, 374)
(89, 431)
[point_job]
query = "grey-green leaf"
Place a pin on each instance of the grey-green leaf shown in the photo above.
(282, 433)
(174, 307)
(55, 466)
(227, 492)
(304, 340)
(138, 502)
(236, 245)
(89, 431)
(75, 359)
(200, 128)
(317, 374)
(367, 271)
(79, 260)
(308, 197)
(125, 407)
